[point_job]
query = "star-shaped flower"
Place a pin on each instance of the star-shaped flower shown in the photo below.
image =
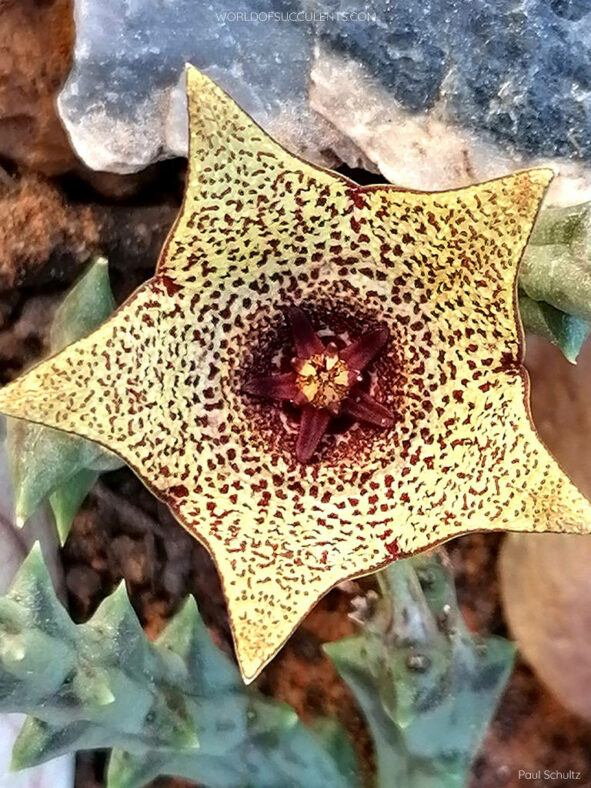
(162, 382)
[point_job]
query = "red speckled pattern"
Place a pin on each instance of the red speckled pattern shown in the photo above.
(160, 383)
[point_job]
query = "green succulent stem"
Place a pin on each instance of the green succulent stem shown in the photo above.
(427, 687)
(561, 225)
(174, 707)
(178, 706)
(555, 277)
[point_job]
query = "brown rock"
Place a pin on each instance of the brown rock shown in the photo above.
(561, 407)
(546, 591)
(545, 579)
(37, 226)
(35, 53)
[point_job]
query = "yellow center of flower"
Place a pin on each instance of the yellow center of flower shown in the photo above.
(324, 380)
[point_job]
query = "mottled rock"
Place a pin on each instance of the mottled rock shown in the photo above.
(516, 73)
(123, 103)
(417, 150)
(434, 97)
(445, 96)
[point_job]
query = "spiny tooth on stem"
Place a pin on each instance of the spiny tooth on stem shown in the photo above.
(274, 386)
(363, 407)
(313, 424)
(358, 354)
(306, 340)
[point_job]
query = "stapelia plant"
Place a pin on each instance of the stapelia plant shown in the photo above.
(176, 707)
(555, 278)
(46, 463)
(568, 332)
(427, 687)
(163, 383)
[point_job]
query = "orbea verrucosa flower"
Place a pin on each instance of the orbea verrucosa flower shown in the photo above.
(279, 270)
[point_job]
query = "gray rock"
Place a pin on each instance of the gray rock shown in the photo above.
(445, 92)
(473, 89)
(517, 73)
(123, 101)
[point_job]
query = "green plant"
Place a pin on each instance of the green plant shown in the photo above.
(555, 277)
(427, 687)
(566, 331)
(177, 706)
(46, 463)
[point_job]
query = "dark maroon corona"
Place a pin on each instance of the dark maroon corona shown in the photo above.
(325, 382)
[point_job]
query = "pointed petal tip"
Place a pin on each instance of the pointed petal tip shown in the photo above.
(303, 455)
(295, 311)
(364, 407)
(251, 666)
(193, 74)
(251, 386)
(548, 172)
(382, 336)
